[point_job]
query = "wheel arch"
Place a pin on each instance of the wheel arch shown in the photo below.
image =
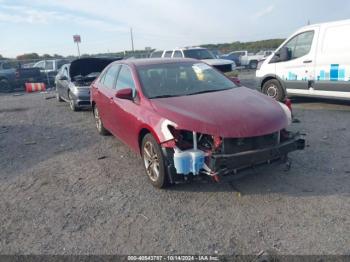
(271, 77)
(143, 132)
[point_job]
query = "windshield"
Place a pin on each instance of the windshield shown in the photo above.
(199, 54)
(181, 79)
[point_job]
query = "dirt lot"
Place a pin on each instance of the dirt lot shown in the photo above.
(66, 190)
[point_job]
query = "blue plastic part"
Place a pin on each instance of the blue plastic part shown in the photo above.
(189, 161)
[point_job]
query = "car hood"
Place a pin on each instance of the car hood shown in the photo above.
(238, 112)
(85, 66)
(215, 62)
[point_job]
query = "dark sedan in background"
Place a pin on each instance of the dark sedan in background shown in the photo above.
(73, 80)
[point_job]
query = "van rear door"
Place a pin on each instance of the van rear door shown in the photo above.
(297, 70)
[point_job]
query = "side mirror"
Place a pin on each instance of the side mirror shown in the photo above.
(125, 93)
(63, 78)
(282, 54)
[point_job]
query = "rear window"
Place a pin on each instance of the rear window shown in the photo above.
(49, 65)
(199, 54)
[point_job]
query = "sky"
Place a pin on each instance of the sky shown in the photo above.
(47, 26)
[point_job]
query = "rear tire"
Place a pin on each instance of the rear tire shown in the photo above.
(273, 88)
(153, 161)
(5, 86)
(99, 125)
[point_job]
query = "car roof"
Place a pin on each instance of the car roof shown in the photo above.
(155, 61)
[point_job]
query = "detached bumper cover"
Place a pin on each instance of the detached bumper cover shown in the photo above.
(242, 160)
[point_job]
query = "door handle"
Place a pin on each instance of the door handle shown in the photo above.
(307, 61)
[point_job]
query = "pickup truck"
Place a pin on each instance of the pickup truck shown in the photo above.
(49, 69)
(251, 60)
(14, 76)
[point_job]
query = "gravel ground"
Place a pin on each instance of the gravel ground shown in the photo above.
(66, 190)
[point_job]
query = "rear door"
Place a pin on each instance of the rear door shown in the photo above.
(105, 93)
(298, 71)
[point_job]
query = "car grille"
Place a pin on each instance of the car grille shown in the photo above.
(237, 145)
(224, 68)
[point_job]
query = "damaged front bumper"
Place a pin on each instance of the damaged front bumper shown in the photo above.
(226, 163)
(218, 164)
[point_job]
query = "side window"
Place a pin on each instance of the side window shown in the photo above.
(168, 53)
(156, 54)
(40, 65)
(110, 76)
(177, 53)
(49, 65)
(125, 79)
(300, 45)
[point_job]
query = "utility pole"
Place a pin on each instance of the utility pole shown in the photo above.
(78, 49)
(132, 40)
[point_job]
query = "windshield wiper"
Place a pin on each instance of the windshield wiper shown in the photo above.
(162, 96)
(206, 91)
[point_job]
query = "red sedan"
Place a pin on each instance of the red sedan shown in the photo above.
(186, 119)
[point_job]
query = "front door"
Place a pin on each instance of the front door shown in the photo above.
(297, 71)
(123, 110)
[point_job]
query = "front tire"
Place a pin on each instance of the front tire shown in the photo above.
(99, 125)
(58, 97)
(153, 160)
(273, 88)
(72, 104)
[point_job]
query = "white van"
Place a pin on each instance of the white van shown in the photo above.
(314, 61)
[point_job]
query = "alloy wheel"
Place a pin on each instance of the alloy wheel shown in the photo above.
(272, 91)
(71, 102)
(151, 161)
